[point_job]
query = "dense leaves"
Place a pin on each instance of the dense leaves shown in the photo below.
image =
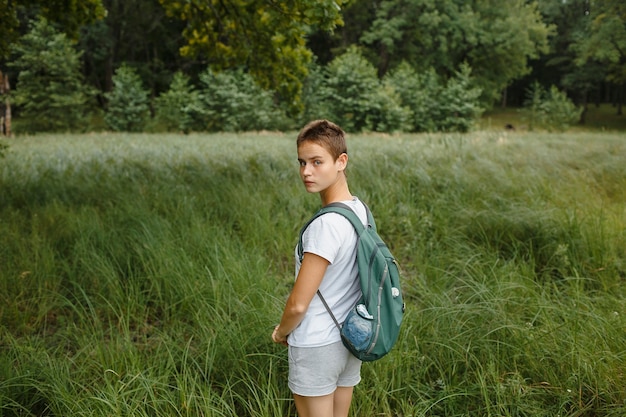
(495, 38)
(179, 108)
(606, 42)
(268, 37)
(436, 105)
(550, 109)
(231, 101)
(355, 98)
(50, 89)
(68, 14)
(418, 65)
(128, 108)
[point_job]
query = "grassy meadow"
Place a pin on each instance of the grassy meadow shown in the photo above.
(141, 275)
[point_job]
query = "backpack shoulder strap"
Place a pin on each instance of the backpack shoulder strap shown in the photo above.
(349, 214)
(345, 211)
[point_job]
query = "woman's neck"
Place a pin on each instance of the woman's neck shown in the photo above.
(336, 192)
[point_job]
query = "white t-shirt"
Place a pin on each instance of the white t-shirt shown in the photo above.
(332, 237)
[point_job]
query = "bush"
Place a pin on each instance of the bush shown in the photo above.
(419, 93)
(180, 107)
(128, 108)
(50, 92)
(356, 98)
(562, 112)
(459, 103)
(452, 107)
(314, 95)
(549, 109)
(233, 102)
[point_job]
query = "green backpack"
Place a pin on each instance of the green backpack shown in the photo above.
(373, 324)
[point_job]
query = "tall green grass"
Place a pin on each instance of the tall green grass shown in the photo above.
(141, 274)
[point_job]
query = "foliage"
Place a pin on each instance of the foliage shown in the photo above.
(550, 109)
(356, 99)
(140, 34)
(180, 107)
(50, 91)
(279, 43)
(3, 149)
(496, 39)
(141, 274)
(314, 95)
(418, 92)
(533, 106)
(69, 15)
(606, 41)
(459, 102)
(128, 102)
(8, 29)
(266, 36)
(562, 63)
(232, 101)
(435, 106)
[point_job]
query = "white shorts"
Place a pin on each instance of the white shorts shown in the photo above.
(318, 371)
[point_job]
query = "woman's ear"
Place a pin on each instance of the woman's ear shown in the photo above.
(342, 161)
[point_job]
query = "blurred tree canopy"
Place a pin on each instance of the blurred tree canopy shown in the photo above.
(495, 38)
(266, 37)
(69, 15)
(287, 47)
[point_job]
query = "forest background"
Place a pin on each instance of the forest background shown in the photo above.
(394, 65)
(141, 274)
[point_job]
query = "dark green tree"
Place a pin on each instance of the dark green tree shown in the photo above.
(180, 107)
(68, 15)
(561, 66)
(128, 103)
(437, 104)
(549, 109)
(606, 42)
(50, 92)
(496, 38)
(355, 98)
(232, 101)
(267, 37)
(140, 34)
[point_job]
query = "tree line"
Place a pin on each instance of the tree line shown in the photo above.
(381, 65)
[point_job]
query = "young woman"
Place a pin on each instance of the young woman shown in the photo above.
(322, 372)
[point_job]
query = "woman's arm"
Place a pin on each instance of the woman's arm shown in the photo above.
(307, 283)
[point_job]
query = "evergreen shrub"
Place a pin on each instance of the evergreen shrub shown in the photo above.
(180, 108)
(419, 92)
(128, 108)
(356, 98)
(50, 93)
(315, 95)
(549, 109)
(459, 102)
(232, 102)
(435, 105)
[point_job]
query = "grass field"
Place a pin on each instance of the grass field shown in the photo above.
(141, 275)
(602, 118)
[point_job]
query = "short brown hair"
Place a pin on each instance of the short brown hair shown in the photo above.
(326, 134)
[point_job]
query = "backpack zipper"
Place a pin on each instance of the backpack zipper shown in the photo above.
(380, 296)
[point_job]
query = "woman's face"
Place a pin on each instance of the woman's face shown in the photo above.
(318, 169)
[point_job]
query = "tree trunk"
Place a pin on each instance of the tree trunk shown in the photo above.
(383, 64)
(583, 114)
(504, 97)
(5, 116)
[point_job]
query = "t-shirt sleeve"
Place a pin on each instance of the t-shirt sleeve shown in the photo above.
(325, 235)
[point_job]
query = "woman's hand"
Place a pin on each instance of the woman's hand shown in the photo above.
(277, 337)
